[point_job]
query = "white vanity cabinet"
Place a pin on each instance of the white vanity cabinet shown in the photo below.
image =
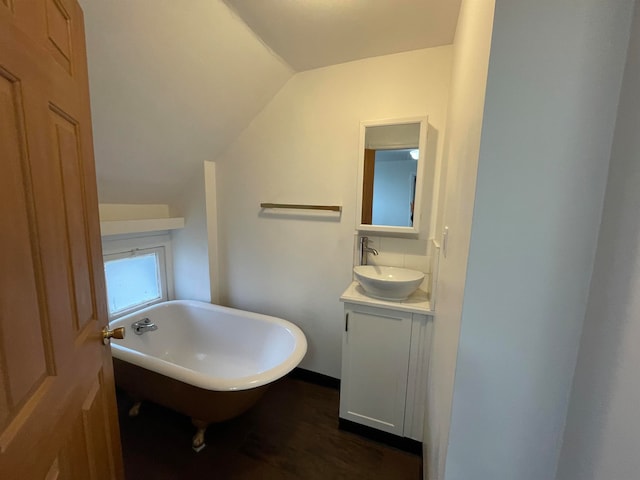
(385, 351)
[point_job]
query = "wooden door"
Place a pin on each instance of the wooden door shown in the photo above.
(367, 185)
(57, 402)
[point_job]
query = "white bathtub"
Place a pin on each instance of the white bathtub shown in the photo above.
(209, 362)
(211, 347)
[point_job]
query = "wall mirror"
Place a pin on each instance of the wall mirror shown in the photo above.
(391, 175)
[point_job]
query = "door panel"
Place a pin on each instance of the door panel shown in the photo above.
(57, 400)
(74, 459)
(54, 471)
(65, 149)
(23, 359)
(58, 30)
(94, 418)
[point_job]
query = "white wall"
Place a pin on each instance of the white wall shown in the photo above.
(190, 244)
(211, 209)
(602, 436)
(303, 148)
(172, 84)
(554, 79)
(119, 211)
(457, 188)
(196, 251)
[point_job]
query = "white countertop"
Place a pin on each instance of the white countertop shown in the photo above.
(418, 302)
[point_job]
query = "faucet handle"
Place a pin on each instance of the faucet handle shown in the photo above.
(365, 241)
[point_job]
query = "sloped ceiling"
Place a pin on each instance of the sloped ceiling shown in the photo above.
(315, 33)
(172, 83)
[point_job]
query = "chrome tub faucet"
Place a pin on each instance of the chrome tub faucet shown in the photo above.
(144, 325)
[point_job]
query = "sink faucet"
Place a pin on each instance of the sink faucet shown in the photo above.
(364, 249)
(142, 326)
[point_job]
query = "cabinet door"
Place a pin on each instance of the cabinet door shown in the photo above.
(375, 364)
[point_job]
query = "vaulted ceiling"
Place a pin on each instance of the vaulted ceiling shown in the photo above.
(315, 33)
(174, 83)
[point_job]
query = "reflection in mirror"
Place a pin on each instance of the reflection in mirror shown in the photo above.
(393, 180)
(391, 156)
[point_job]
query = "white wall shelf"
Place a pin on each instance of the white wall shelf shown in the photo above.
(120, 227)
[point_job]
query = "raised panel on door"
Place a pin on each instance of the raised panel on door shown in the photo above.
(65, 149)
(375, 360)
(57, 399)
(86, 454)
(25, 346)
(59, 32)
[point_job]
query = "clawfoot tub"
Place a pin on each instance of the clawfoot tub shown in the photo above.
(205, 361)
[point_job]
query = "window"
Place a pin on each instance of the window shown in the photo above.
(135, 279)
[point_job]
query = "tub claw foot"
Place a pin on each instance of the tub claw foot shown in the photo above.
(135, 410)
(197, 443)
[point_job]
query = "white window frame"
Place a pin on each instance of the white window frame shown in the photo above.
(123, 246)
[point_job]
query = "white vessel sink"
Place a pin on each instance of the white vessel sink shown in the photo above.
(388, 283)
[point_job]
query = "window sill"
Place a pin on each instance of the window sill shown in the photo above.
(119, 227)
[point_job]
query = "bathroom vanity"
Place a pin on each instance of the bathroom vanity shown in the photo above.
(386, 341)
(385, 354)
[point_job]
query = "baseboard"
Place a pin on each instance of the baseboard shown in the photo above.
(401, 443)
(315, 377)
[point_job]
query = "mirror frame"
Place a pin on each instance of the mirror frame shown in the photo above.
(420, 181)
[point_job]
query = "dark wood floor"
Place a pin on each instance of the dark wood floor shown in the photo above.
(292, 433)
